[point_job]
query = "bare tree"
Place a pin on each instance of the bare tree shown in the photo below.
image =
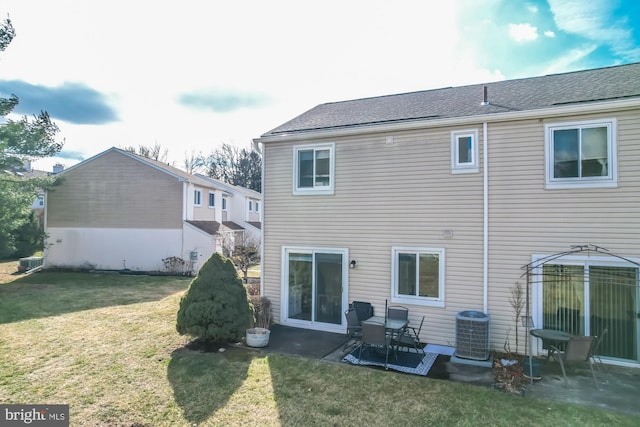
(193, 163)
(155, 152)
(244, 251)
(236, 166)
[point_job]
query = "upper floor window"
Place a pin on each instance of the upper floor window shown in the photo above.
(212, 200)
(257, 206)
(197, 197)
(464, 151)
(250, 206)
(581, 154)
(418, 276)
(224, 203)
(313, 169)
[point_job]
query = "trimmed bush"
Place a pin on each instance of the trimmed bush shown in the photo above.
(216, 306)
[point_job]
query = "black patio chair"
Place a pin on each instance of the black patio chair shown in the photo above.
(354, 330)
(409, 338)
(579, 349)
(397, 312)
(364, 310)
(374, 335)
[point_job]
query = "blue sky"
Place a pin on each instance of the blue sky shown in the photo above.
(192, 75)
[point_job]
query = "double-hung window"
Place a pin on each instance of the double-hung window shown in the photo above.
(418, 276)
(212, 200)
(197, 197)
(581, 154)
(464, 151)
(313, 169)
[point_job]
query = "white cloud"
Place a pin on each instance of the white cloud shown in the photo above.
(594, 21)
(523, 32)
(565, 63)
(549, 34)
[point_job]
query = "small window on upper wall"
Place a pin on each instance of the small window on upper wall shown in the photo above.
(197, 197)
(250, 206)
(313, 167)
(212, 200)
(257, 206)
(224, 203)
(581, 154)
(464, 151)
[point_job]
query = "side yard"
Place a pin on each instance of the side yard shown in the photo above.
(106, 345)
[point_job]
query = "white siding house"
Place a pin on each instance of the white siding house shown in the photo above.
(121, 211)
(442, 197)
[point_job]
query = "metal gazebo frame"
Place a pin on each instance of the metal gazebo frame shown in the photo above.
(528, 319)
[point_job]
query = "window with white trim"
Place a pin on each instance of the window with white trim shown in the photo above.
(581, 154)
(250, 206)
(257, 206)
(418, 276)
(197, 197)
(313, 167)
(212, 200)
(464, 151)
(224, 203)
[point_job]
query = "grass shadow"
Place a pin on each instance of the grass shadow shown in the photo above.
(48, 294)
(203, 382)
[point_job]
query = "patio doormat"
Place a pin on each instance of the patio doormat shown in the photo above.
(407, 362)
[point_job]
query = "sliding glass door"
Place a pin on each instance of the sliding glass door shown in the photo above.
(584, 298)
(314, 286)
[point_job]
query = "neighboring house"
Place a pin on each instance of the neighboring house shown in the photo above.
(119, 210)
(26, 171)
(439, 198)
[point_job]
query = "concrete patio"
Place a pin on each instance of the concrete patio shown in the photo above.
(619, 386)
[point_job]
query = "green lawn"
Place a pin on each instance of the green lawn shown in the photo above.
(106, 345)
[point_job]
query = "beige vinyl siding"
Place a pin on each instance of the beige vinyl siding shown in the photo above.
(203, 212)
(116, 191)
(527, 219)
(401, 194)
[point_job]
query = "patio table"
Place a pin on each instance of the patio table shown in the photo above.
(551, 335)
(395, 326)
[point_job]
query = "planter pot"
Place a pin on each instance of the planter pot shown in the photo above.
(258, 337)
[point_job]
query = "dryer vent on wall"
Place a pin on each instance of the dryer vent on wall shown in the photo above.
(472, 335)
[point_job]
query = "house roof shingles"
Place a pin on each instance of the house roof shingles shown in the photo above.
(212, 227)
(533, 93)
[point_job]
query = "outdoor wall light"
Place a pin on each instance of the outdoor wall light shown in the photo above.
(353, 263)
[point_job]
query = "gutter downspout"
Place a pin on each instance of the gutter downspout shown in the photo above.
(185, 195)
(45, 249)
(485, 189)
(263, 152)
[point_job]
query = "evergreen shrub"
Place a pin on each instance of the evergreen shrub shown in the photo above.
(216, 306)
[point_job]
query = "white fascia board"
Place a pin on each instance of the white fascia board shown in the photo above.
(564, 110)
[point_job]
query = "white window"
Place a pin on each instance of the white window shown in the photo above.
(212, 200)
(464, 151)
(224, 203)
(313, 167)
(257, 206)
(581, 154)
(197, 197)
(250, 206)
(418, 276)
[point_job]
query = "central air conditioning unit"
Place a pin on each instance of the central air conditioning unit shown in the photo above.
(472, 335)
